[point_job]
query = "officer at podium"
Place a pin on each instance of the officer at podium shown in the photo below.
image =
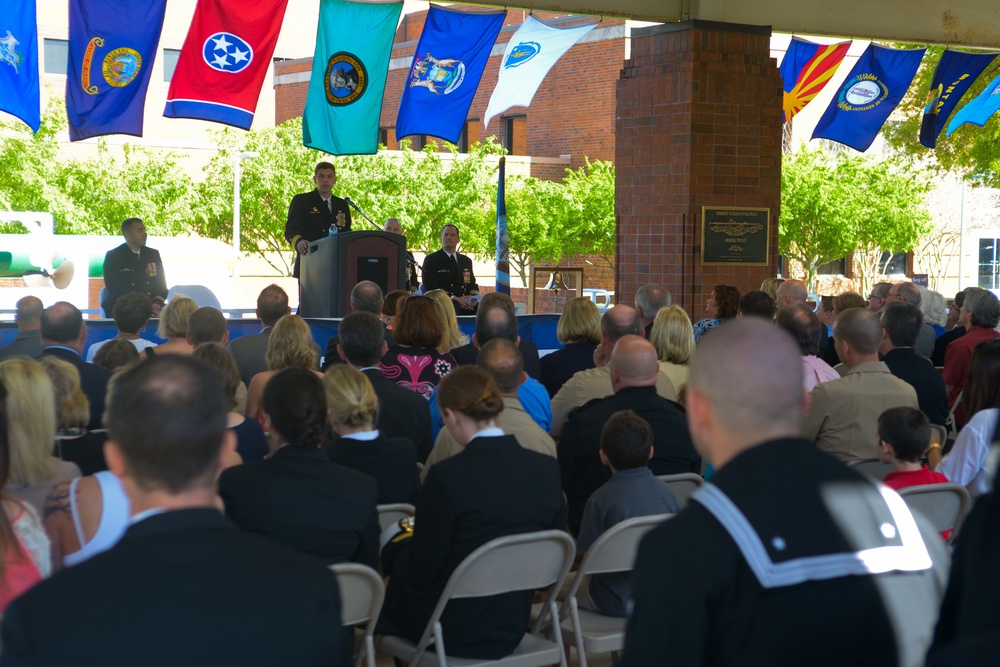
(311, 215)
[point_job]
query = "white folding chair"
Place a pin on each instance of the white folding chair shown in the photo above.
(614, 551)
(872, 468)
(683, 485)
(361, 595)
(389, 514)
(529, 561)
(944, 505)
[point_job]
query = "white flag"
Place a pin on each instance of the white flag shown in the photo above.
(530, 54)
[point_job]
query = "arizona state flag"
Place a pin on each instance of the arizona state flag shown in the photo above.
(224, 59)
(806, 68)
(112, 47)
(954, 75)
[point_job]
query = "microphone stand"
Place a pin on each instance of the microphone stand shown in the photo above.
(362, 214)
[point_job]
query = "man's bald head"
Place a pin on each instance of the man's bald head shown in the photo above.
(620, 321)
(791, 292)
(29, 313)
(634, 363)
(504, 362)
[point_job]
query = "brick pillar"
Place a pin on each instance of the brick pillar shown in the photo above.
(698, 124)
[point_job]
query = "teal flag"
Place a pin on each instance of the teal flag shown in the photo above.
(353, 45)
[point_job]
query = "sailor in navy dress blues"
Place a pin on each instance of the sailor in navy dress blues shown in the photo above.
(312, 214)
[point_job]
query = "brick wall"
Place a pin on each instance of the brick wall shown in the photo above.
(699, 123)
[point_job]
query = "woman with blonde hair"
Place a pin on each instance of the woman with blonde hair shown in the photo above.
(32, 432)
(290, 345)
(74, 442)
(174, 327)
(353, 409)
(673, 338)
(453, 336)
(579, 330)
(770, 287)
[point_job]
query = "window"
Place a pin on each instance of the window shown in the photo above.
(837, 267)
(893, 264)
(56, 56)
(515, 135)
(170, 57)
(470, 135)
(988, 261)
(387, 137)
(418, 141)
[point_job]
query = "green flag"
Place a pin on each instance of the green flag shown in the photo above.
(353, 45)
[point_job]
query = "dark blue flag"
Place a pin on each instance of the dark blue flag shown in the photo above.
(955, 74)
(503, 240)
(451, 55)
(112, 47)
(871, 91)
(19, 61)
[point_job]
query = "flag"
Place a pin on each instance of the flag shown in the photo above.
(955, 74)
(979, 110)
(805, 70)
(112, 47)
(344, 103)
(872, 90)
(530, 54)
(224, 59)
(19, 62)
(451, 55)
(503, 242)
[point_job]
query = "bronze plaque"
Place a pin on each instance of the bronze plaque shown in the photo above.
(734, 235)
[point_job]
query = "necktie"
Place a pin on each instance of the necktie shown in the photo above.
(454, 258)
(329, 204)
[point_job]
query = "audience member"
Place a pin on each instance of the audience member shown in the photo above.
(770, 286)
(207, 325)
(901, 325)
(757, 304)
(649, 300)
(723, 304)
(466, 354)
(298, 498)
(251, 443)
(980, 314)
(227, 595)
(909, 293)
(366, 297)
(414, 362)
(789, 293)
(842, 302)
(878, 298)
(843, 414)
(453, 337)
(63, 336)
(28, 341)
(353, 410)
(503, 361)
(826, 315)
(904, 434)
(956, 330)
(968, 462)
(390, 307)
(74, 443)
(579, 331)
(740, 578)
(407, 413)
(634, 371)
(587, 385)
(290, 345)
(935, 311)
(117, 353)
(493, 488)
(174, 319)
(131, 312)
(801, 322)
(626, 448)
(249, 350)
(954, 306)
(673, 338)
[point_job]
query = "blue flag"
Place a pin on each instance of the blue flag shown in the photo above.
(19, 62)
(955, 74)
(503, 241)
(348, 76)
(979, 110)
(112, 47)
(871, 91)
(451, 55)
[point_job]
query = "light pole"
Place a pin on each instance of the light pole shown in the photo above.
(237, 174)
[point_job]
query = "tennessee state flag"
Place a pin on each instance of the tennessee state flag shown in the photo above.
(806, 68)
(224, 60)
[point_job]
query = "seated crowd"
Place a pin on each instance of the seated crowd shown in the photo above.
(201, 487)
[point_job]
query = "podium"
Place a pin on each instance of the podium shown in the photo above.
(334, 265)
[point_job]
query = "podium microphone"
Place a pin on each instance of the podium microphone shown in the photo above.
(362, 213)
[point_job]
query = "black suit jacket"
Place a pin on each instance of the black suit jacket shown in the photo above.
(494, 487)
(332, 358)
(124, 273)
(25, 344)
(580, 444)
(303, 501)
(181, 588)
(904, 363)
(440, 272)
(942, 343)
(559, 366)
(93, 381)
(468, 355)
(402, 413)
(310, 218)
(391, 462)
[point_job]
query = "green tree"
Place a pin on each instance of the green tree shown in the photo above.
(590, 216)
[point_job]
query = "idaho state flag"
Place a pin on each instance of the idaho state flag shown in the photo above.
(805, 70)
(224, 60)
(19, 62)
(955, 74)
(871, 91)
(112, 47)
(451, 55)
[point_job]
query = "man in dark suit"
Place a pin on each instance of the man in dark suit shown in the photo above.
(312, 214)
(134, 267)
(366, 297)
(208, 594)
(402, 413)
(450, 271)
(634, 369)
(28, 341)
(901, 326)
(249, 351)
(64, 336)
(467, 354)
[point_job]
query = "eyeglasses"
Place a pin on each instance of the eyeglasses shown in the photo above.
(876, 296)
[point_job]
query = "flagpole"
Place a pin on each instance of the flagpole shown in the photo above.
(502, 246)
